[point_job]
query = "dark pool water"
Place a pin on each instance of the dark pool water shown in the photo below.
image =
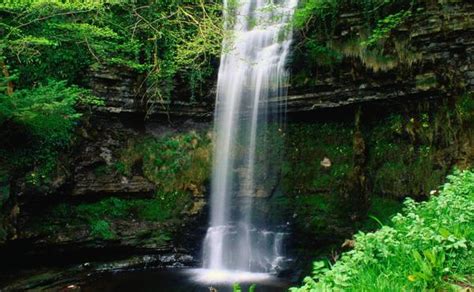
(170, 281)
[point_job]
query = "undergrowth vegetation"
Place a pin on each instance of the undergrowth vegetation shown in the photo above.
(49, 49)
(175, 163)
(427, 247)
(408, 154)
(37, 124)
(99, 216)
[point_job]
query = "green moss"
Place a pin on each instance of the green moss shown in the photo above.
(175, 163)
(307, 145)
(311, 189)
(110, 207)
(98, 215)
(465, 107)
(313, 212)
(159, 237)
(410, 155)
(162, 207)
(101, 229)
(120, 167)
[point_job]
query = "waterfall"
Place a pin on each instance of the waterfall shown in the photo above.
(252, 75)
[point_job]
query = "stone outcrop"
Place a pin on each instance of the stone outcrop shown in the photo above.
(94, 169)
(437, 47)
(436, 52)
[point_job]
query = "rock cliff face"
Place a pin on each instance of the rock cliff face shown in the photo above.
(98, 150)
(343, 109)
(431, 58)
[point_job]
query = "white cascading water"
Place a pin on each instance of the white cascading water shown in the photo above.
(252, 71)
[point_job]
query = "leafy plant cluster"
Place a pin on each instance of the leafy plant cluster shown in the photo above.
(36, 124)
(63, 40)
(320, 17)
(428, 247)
(236, 287)
(47, 48)
(385, 26)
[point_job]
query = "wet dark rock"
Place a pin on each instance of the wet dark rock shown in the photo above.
(111, 185)
(71, 277)
(94, 166)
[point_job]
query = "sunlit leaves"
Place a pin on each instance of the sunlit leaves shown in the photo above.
(427, 247)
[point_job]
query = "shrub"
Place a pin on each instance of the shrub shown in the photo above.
(36, 124)
(428, 247)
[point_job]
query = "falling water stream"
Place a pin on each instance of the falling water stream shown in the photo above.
(251, 74)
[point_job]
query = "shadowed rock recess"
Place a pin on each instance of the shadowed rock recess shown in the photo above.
(361, 135)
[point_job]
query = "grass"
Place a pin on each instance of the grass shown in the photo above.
(381, 212)
(428, 247)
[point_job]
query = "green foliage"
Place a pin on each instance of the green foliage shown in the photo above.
(465, 108)
(52, 39)
(385, 26)
(175, 163)
(403, 151)
(380, 213)
(98, 215)
(325, 39)
(429, 247)
(158, 236)
(313, 192)
(36, 124)
(101, 229)
(236, 287)
(314, 213)
(158, 209)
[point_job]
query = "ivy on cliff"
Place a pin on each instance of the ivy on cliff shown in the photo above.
(325, 41)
